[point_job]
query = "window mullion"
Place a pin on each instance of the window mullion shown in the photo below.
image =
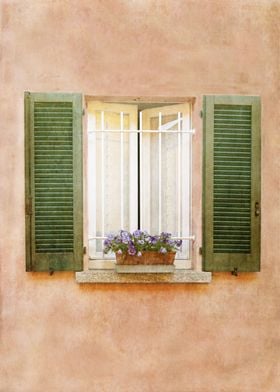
(102, 175)
(159, 173)
(122, 172)
(179, 178)
(140, 171)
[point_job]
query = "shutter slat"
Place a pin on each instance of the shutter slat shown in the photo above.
(46, 207)
(231, 149)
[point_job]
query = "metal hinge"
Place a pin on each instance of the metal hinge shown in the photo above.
(28, 206)
(200, 250)
(235, 271)
(51, 271)
(83, 112)
(85, 250)
(201, 113)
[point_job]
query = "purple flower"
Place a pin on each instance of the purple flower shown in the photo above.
(165, 235)
(131, 250)
(107, 242)
(178, 243)
(125, 236)
(137, 233)
(140, 241)
(154, 240)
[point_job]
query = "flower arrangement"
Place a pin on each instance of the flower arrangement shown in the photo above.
(139, 242)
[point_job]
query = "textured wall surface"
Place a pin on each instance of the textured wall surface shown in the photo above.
(59, 336)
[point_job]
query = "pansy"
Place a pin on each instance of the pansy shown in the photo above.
(140, 241)
(154, 240)
(137, 233)
(131, 250)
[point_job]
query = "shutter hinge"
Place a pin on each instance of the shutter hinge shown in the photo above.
(200, 250)
(235, 271)
(85, 250)
(28, 206)
(83, 112)
(51, 271)
(201, 113)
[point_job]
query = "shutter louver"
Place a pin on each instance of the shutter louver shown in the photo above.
(55, 181)
(232, 179)
(53, 169)
(231, 231)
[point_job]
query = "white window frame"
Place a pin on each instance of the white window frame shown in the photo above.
(109, 264)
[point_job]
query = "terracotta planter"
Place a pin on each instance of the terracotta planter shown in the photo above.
(148, 257)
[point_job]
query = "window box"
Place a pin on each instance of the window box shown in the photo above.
(147, 258)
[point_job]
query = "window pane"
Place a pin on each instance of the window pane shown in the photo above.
(112, 176)
(166, 174)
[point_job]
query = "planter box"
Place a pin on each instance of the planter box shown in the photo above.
(145, 269)
(147, 258)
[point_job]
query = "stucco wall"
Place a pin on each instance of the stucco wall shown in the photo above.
(57, 335)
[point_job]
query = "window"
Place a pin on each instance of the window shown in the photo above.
(139, 171)
(145, 162)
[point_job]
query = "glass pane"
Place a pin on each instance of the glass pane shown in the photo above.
(166, 175)
(169, 174)
(111, 157)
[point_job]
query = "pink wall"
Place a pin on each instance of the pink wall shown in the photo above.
(57, 335)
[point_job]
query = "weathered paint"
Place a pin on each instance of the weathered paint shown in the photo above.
(57, 335)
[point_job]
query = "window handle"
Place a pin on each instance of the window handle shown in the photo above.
(257, 208)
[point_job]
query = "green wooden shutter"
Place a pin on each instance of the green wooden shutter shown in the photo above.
(231, 183)
(54, 182)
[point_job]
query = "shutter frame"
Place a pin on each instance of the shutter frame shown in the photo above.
(241, 262)
(63, 260)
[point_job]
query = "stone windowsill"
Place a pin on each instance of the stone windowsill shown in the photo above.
(111, 276)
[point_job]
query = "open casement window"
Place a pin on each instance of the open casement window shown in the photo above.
(54, 182)
(231, 187)
(139, 172)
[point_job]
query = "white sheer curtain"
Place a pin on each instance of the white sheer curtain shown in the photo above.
(166, 172)
(113, 172)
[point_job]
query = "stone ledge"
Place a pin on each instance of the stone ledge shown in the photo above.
(111, 276)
